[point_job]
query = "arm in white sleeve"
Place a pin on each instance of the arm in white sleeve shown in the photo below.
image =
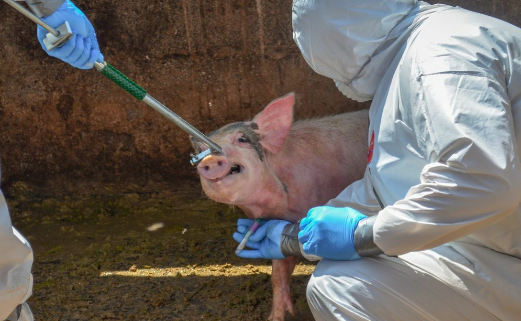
(474, 175)
(16, 258)
(43, 8)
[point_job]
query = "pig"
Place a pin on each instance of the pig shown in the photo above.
(276, 169)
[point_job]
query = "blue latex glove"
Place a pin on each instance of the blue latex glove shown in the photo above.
(265, 242)
(328, 232)
(82, 50)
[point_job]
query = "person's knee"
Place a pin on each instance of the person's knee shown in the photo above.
(324, 288)
(337, 290)
(315, 288)
(317, 298)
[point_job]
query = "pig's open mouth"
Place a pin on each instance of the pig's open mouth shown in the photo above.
(234, 169)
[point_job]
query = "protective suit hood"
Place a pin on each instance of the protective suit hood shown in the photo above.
(351, 41)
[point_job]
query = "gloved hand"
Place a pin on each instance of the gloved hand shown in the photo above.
(82, 50)
(265, 242)
(328, 232)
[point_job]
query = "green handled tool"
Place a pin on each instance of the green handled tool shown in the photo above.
(59, 36)
(135, 90)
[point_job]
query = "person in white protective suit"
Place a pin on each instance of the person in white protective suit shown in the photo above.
(16, 259)
(16, 256)
(433, 230)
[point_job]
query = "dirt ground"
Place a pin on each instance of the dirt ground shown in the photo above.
(144, 256)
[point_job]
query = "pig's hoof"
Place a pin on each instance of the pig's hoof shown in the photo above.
(280, 307)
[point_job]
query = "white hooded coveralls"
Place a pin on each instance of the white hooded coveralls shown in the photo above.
(16, 255)
(16, 259)
(444, 172)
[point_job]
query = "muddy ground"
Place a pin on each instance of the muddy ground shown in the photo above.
(144, 256)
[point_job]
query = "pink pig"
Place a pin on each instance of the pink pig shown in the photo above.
(276, 169)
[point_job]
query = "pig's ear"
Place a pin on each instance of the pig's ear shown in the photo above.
(192, 142)
(197, 145)
(275, 122)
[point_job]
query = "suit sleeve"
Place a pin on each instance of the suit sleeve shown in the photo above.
(43, 8)
(16, 258)
(473, 176)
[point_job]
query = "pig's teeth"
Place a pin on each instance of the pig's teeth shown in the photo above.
(235, 169)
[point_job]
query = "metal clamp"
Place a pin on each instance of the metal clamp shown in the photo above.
(64, 34)
(199, 157)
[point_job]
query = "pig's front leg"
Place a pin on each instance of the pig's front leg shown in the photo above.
(280, 280)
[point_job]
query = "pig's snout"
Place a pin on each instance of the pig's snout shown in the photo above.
(214, 167)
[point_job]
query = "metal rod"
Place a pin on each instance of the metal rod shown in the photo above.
(124, 82)
(135, 90)
(149, 100)
(35, 19)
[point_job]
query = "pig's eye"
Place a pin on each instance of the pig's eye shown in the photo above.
(243, 139)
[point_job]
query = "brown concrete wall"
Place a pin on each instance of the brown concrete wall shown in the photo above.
(65, 130)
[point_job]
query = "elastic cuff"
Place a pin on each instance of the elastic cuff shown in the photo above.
(363, 238)
(290, 245)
